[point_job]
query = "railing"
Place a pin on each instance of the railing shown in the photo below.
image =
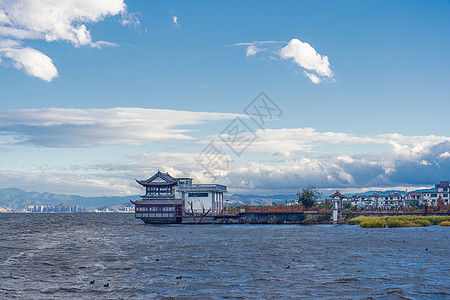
(171, 196)
(201, 187)
(263, 209)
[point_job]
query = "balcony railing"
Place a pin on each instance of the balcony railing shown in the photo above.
(202, 187)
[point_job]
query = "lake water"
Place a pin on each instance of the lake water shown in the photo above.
(54, 256)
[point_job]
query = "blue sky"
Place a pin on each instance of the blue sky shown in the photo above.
(108, 91)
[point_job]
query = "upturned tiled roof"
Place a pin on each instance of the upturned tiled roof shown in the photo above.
(338, 194)
(169, 180)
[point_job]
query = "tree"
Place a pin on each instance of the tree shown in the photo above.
(415, 204)
(191, 212)
(440, 203)
(308, 197)
(347, 204)
(326, 205)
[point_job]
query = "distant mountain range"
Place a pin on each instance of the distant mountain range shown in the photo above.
(378, 192)
(18, 199)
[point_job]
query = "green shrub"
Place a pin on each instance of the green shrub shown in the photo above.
(322, 218)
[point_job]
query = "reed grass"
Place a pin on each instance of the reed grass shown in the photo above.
(399, 221)
(373, 224)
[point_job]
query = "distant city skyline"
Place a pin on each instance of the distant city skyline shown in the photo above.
(97, 94)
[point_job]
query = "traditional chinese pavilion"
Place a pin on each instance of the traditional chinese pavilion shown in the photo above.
(167, 198)
(159, 204)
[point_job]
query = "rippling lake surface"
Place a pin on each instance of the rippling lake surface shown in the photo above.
(54, 256)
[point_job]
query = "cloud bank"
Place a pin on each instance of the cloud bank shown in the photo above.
(280, 161)
(348, 173)
(51, 20)
(317, 67)
(60, 127)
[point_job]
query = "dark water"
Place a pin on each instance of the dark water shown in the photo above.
(55, 256)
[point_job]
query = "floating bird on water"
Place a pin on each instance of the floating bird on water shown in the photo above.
(179, 277)
(92, 282)
(106, 285)
(287, 267)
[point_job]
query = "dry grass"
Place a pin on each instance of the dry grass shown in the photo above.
(399, 221)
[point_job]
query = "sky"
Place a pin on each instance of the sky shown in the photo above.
(266, 97)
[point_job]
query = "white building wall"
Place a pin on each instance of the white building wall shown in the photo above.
(214, 201)
(199, 202)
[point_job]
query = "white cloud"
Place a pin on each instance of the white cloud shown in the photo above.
(424, 163)
(59, 127)
(258, 46)
(175, 21)
(100, 44)
(53, 20)
(346, 159)
(58, 20)
(55, 181)
(445, 154)
(33, 62)
(20, 33)
(317, 67)
(252, 50)
(313, 77)
(307, 57)
(290, 140)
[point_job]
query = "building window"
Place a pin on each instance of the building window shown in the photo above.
(433, 195)
(198, 195)
(168, 208)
